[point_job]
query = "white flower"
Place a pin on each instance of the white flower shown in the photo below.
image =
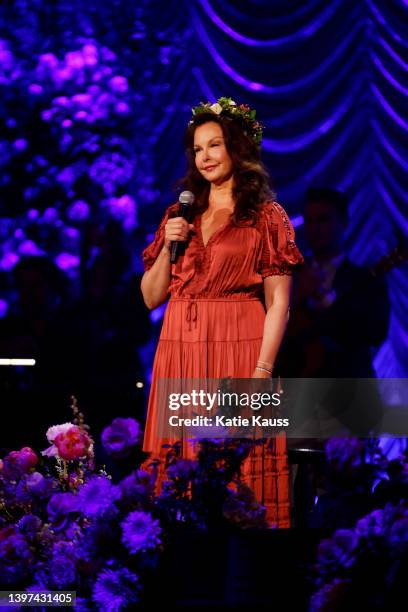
(232, 103)
(53, 431)
(216, 108)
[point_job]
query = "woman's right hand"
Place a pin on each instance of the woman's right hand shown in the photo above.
(176, 229)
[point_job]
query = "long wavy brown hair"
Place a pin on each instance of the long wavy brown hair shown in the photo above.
(252, 184)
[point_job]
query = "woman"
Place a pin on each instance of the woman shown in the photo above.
(230, 290)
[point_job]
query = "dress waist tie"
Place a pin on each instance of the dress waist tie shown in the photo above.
(191, 314)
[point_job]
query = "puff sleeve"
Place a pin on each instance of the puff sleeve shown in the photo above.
(279, 254)
(151, 252)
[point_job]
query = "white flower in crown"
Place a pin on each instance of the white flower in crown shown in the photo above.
(216, 108)
(232, 103)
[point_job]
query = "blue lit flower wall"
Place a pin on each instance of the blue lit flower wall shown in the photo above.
(94, 99)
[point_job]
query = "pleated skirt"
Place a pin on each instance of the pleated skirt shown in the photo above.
(216, 338)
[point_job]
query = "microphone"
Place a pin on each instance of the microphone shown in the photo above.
(186, 199)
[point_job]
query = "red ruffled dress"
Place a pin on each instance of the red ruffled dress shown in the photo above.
(213, 328)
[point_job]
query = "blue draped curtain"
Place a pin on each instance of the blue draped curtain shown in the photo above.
(329, 81)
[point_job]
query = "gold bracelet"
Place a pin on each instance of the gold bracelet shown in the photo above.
(263, 369)
(265, 364)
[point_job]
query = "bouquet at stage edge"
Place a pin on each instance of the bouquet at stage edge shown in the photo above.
(364, 567)
(66, 525)
(207, 492)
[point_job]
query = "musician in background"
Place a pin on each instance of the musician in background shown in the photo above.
(339, 316)
(340, 311)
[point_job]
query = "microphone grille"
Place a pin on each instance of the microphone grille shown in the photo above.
(186, 197)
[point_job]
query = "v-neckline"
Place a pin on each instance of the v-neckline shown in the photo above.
(221, 227)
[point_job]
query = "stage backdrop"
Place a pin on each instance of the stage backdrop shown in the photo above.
(95, 96)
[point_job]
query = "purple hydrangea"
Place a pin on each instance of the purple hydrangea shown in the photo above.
(35, 89)
(70, 239)
(3, 308)
(66, 139)
(61, 508)
(22, 494)
(97, 497)
(19, 234)
(29, 194)
(119, 84)
(88, 546)
(371, 525)
(48, 114)
(29, 525)
(8, 261)
(138, 485)
(40, 486)
(78, 211)
(34, 485)
(123, 209)
(29, 248)
(82, 100)
(21, 461)
(33, 214)
(66, 261)
(122, 108)
(50, 215)
(110, 170)
(116, 589)
(140, 532)
(20, 144)
(48, 60)
(98, 538)
(82, 605)
(328, 597)
(182, 469)
(399, 533)
(67, 177)
(242, 508)
(8, 67)
(16, 556)
(121, 436)
(61, 567)
(39, 584)
(340, 551)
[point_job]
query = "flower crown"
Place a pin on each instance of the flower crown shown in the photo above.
(228, 108)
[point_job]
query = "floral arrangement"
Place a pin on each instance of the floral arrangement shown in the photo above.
(358, 477)
(366, 565)
(77, 106)
(207, 492)
(76, 164)
(66, 525)
(242, 112)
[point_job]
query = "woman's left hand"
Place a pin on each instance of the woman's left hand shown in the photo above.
(260, 374)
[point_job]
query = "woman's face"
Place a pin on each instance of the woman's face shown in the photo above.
(211, 155)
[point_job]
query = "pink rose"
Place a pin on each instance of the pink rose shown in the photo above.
(22, 460)
(52, 433)
(72, 444)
